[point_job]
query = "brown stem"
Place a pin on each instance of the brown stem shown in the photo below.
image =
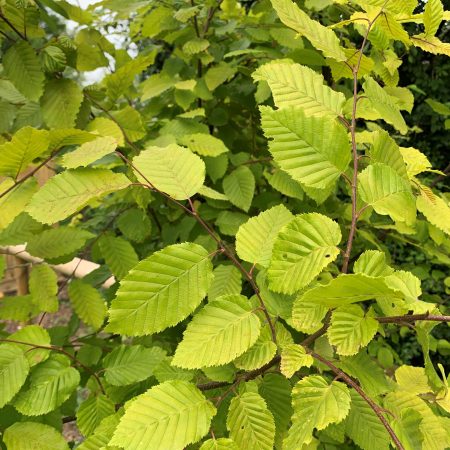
(375, 407)
(413, 317)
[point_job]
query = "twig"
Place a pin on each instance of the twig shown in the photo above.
(413, 318)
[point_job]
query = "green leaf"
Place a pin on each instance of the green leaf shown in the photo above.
(72, 190)
(107, 127)
(223, 330)
(102, 434)
(33, 435)
(204, 144)
(431, 44)
(25, 146)
(350, 329)
(239, 187)
(131, 123)
(389, 194)
(172, 415)
(313, 150)
(296, 85)
(56, 242)
(92, 411)
(161, 290)
(89, 152)
(316, 404)
(301, 251)
(14, 369)
(173, 170)
(22, 67)
(219, 444)
(43, 285)
(33, 334)
(364, 427)
(256, 237)
(407, 428)
(293, 358)
(283, 182)
(135, 225)
(119, 255)
(433, 16)
(412, 379)
(51, 383)
(307, 316)
(126, 365)
(87, 303)
(436, 211)
(227, 281)
(321, 37)
(347, 289)
(250, 423)
(416, 161)
(384, 104)
(194, 46)
(373, 264)
(60, 103)
(217, 75)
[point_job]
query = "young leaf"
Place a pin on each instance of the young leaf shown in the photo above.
(14, 369)
(293, 358)
(296, 85)
(372, 263)
(227, 280)
(172, 415)
(239, 187)
(437, 212)
(307, 316)
(204, 144)
(350, 329)
(301, 251)
(119, 255)
(92, 411)
(313, 150)
(255, 238)
(412, 379)
(223, 330)
(433, 16)
(33, 334)
(32, 435)
(250, 423)
(72, 190)
(161, 290)
(407, 428)
(173, 170)
(43, 284)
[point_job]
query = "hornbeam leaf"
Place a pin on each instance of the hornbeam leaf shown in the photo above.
(293, 357)
(303, 248)
(25, 146)
(239, 187)
(171, 415)
(219, 444)
(372, 263)
(250, 422)
(89, 152)
(92, 411)
(407, 428)
(347, 289)
(384, 104)
(204, 144)
(173, 170)
(416, 161)
(227, 280)
(22, 67)
(43, 286)
(437, 212)
(71, 191)
(119, 255)
(223, 330)
(432, 16)
(320, 37)
(33, 334)
(33, 435)
(350, 329)
(255, 238)
(296, 85)
(431, 44)
(14, 369)
(161, 290)
(312, 150)
(389, 194)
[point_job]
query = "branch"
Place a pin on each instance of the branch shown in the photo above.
(375, 407)
(413, 318)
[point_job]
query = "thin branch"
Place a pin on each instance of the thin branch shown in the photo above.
(413, 318)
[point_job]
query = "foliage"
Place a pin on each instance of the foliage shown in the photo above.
(242, 170)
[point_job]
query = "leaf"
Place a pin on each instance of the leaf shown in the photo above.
(135, 225)
(33, 435)
(72, 190)
(219, 444)
(92, 411)
(416, 161)
(384, 104)
(227, 281)
(43, 285)
(119, 255)
(87, 303)
(372, 263)
(223, 330)
(173, 170)
(51, 383)
(437, 212)
(431, 44)
(250, 423)
(204, 144)
(320, 37)
(219, 74)
(256, 237)
(33, 334)
(172, 415)
(106, 127)
(433, 16)
(301, 251)
(131, 123)
(313, 150)
(297, 85)
(239, 187)
(60, 103)
(347, 289)
(14, 369)
(194, 46)
(307, 316)
(25, 146)
(89, 152)
(364, 427)
(293, 358)
(126, 365)
(350, 329)
(102, 434)
(282, 182)
(22, 67)
(412, 379)
(161, 290)
(389, 194)
(56, 242)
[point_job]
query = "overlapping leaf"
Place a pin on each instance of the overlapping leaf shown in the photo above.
(33, 435)
(239, 187)
(14, 369)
